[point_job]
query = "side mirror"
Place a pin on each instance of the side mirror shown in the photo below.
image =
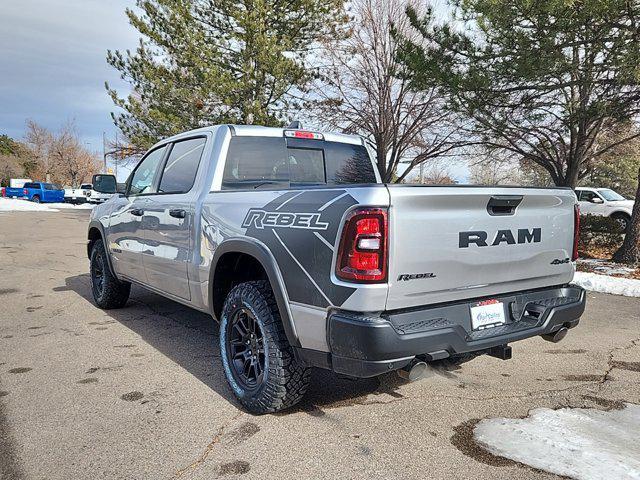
(597, 200)
(103, 183)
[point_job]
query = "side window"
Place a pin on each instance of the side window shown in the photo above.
(182, 165)
(587, 196)
(306, 166)
(579, 194)
(29, 185)
(256, 162)
(142, 178)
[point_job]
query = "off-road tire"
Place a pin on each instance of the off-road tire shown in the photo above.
(111, 292)
(285, 379)
(35, 199)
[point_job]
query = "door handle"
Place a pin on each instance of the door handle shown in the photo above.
(177, 213)
(138, 212)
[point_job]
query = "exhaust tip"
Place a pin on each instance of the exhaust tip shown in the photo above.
(414, 371)
(555, 337)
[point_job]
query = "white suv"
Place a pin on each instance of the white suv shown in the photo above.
(606, 203)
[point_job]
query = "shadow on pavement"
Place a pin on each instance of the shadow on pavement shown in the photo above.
(9, 468)
(190, 339)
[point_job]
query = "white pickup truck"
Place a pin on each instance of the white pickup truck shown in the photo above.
(289, 239)
(605, 202)
(77, 195)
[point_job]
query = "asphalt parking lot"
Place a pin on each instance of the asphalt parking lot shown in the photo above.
(139, 393)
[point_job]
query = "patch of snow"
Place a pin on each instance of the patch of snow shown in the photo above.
(580, 443)
(628, 287)
(606, 268)
(17, 205)
(81, 206)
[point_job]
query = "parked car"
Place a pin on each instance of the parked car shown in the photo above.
(41, 192)
(605, 202)
(78, 195)
(290, 240)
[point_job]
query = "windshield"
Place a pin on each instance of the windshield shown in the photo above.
(610, 195)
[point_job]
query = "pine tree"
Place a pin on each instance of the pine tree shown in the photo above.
(546, 81)
(201, 62)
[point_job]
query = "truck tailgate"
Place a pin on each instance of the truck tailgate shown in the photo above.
(452, 243)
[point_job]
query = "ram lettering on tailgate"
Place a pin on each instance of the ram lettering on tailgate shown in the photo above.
(479, 237)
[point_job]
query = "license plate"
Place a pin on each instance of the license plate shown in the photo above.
(487, 314)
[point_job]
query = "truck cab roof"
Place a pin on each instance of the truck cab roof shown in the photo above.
(260, 131)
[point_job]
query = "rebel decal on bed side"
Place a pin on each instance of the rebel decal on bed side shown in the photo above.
(301, 230)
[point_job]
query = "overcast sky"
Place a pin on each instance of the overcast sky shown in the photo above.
(53, 64)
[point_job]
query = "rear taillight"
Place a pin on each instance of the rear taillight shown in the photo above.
(25, 192)
(362, 256)
(576, 232)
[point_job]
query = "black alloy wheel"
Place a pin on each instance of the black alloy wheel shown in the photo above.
(246, 346)
(108, 291)
(97, 276)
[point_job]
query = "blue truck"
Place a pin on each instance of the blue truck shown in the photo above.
(38, 192)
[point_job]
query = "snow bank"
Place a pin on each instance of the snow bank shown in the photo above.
(605, 267)
(606, 284)
(17, 205)
(581, 443)
(82, 206)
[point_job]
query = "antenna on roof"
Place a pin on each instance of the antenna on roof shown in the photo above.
(295, 124)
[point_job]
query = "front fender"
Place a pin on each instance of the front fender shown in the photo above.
(96, 224)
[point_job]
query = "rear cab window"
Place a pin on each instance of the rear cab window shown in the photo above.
(278, 163)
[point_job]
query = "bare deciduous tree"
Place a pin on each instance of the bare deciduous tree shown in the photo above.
(72, 163)
(60, 157)
(436, 173)
(498, 167)
(362, 90)
(38, 141)
(10, 167)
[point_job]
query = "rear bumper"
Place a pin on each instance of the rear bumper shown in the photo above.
(76, 200)
(364, 346)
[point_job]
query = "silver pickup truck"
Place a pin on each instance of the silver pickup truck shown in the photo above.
(289, 239)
